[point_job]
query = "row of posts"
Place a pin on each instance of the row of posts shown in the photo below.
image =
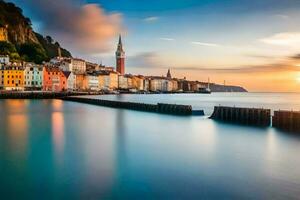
(284, 120)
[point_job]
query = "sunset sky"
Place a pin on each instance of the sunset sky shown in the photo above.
(255, 44)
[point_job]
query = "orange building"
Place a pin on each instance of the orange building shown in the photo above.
(54, 79)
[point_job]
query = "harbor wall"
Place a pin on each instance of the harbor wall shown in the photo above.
(243, 116)
(172, 109)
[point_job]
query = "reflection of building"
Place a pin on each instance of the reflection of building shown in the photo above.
(33, 76)
(120, 58)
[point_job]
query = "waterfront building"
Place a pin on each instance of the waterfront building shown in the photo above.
(146, 84)
(71, 80)
(174, 84)
(138, 82)
(160, 84)
(120, 58)
(92, 82)
(108, 80)
(125, 82)
(12, 77)
(113, 80)
(33, 75)
(78, 65)
(104, 80)
(4, 59)
(167, 85)
(66, 65)
(80, 82)
(54, 79)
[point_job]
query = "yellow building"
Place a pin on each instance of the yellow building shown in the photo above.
(3, 33)
(138, 82)
(13, 78)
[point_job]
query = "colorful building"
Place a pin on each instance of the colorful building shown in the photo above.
(33, 77)
(138, 82)
(12, 78)
(125, 82)
(55, 80)
(80, 82)
(108, 80)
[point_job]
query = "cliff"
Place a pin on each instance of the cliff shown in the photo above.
(16, 29)
(222, 88)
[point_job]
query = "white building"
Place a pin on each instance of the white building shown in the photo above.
(4, 59)
(78, 65)
(125, 82)
(71, 80)
(33, 77)
(161, 84)
(93, 82)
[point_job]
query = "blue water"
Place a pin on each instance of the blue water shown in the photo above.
(51, 149)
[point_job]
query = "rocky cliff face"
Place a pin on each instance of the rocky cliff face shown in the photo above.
(18, 27)
(21, 33)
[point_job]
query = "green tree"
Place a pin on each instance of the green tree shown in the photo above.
(32, 52)
(6, 48)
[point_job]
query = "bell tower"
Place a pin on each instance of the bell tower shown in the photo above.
(120, 57)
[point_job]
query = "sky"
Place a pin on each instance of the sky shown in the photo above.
(254, 44)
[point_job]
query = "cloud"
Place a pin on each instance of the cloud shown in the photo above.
(151, 19)
(284, 39)
(154, 60)
(83, 28)
(205, 44)
(144, 60)
(167, 39)
(282, 16)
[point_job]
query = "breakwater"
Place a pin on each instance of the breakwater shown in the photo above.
(244, 116)
(286, 120)
(172, 109)
(39, 95)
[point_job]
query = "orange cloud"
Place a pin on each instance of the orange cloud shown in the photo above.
(83, 28)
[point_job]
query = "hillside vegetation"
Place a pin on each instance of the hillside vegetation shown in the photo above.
(23, 43)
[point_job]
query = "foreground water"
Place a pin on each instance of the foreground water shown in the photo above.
(54, 149)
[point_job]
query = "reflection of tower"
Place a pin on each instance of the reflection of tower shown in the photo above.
(120, 57)
(169, 74)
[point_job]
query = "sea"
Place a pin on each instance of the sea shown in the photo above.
(51, 149)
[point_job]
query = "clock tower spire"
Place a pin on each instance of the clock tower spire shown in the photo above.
(120, 57)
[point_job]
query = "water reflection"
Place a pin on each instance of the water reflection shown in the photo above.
(17, 126)
(58, 135)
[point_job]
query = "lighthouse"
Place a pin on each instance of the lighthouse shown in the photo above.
(120, 57)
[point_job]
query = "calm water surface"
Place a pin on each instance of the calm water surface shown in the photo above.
(51, 149)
